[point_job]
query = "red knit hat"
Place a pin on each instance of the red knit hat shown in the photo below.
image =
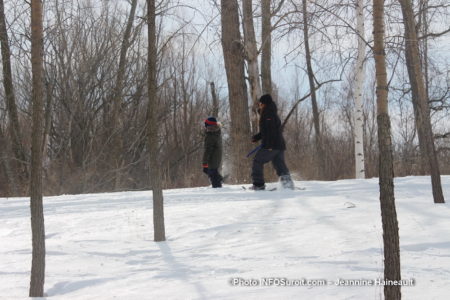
(211, 121)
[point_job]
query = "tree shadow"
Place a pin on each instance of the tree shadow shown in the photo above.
(180, 270)
(66, 287)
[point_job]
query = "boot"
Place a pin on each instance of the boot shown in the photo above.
(286, 182)
(258, 187)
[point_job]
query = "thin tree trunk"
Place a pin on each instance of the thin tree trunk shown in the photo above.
(266, 47)
(424, 28)
(420, 102)
(155, 172)
(21, 167)
(251, 55)
(358, 94)
(47, 116)
(386, 170)
(116, 157)
(175, 112)
(215, 100)
(185, 105)
(233, 53)
(11, 185)
(316, 116)
(36, 205)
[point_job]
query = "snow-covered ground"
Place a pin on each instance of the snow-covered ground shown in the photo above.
(99, 246)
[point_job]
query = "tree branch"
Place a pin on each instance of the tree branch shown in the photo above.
(304, 98)
(441, 149)
(434, 35)
(442, 136)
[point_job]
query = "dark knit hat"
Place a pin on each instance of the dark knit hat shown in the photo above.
(266, 99)
(211, 121)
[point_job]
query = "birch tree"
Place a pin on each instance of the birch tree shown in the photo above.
(386, 168)
(36, 205)
(358, 93)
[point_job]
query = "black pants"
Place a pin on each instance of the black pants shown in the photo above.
(262, 157)
(215, 178)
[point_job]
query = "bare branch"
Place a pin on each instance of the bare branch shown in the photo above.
(434, 35)
(442, 136)
(304, 98)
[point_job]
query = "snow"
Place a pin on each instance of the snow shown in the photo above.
(100, 246)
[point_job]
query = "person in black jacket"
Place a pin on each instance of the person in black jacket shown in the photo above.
(212, 152)
(273, 145)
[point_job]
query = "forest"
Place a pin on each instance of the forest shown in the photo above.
(106, 96)
(95, 89)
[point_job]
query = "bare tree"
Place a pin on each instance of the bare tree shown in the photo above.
(316, 116)
(21, 169)
(420, 101)
(82, 81)
(266, 47)
(358, 93)
(386, 171)
(115, 121)
(37, 211)
(8, 184)
(215, 100)
(233, 53)
(153, 142)
(251, 55)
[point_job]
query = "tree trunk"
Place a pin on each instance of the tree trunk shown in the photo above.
(116, 158)
(316, 116)
(420, 102)
(358, 94)
(233, 53)
(386, 169)
(266, 47)
(155, 172)
(424, 29)
(20, 165)
(37, 211)
(251, 55)
(11, 188)
(215, 100)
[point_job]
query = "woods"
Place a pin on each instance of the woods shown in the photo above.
(111, 96)
(95, 91)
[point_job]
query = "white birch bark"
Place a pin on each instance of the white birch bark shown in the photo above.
(359, 82)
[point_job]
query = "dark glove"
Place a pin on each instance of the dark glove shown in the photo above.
(256, 137)
(205, 169)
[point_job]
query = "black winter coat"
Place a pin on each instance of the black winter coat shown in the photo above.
(270, 131)
(212, 154)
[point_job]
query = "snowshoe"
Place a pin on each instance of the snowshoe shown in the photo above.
(257, 187)
(286, 182)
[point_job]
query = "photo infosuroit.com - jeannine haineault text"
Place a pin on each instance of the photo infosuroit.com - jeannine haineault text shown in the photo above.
(286, 282)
